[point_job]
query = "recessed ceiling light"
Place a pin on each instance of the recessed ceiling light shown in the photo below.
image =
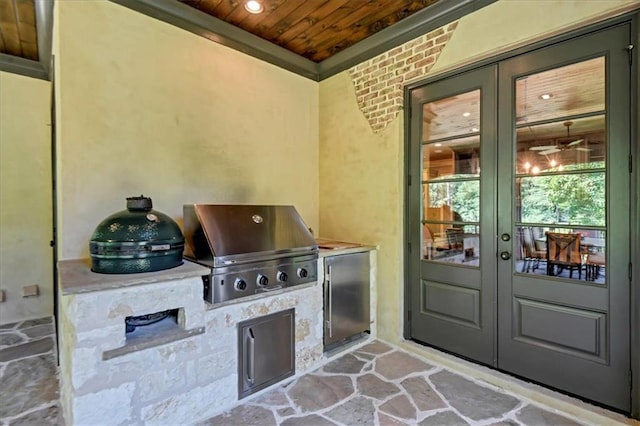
(253, 6)
(474, 129)
(466, 114)
(438, 144)
(546, 96)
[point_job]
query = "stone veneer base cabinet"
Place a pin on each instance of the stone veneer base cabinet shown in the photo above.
(182, 377)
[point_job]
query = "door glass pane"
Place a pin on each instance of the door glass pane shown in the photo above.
(561, 146)
(452, 117)
(452, 201)
(571, 90)
(451, 179)
(459, 244)
(563, 198)
(573, 253)
(560, 173)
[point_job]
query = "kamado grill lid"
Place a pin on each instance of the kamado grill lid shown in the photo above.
(138, 239)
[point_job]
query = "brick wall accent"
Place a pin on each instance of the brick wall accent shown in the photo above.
(379, 81)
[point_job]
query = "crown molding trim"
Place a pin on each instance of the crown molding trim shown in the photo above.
(190, 19)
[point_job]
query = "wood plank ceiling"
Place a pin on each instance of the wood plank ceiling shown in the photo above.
(18, 35)
(314, 29)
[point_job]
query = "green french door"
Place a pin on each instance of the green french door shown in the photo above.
(452, 210)
(519, 223)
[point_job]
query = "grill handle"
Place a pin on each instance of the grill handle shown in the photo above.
(251, 360)
(330, 297)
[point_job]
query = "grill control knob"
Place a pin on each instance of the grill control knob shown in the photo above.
(302, 273)
(262, 280)
(282, 276)
(240, 284)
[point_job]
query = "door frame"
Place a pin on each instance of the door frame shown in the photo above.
(634, 163)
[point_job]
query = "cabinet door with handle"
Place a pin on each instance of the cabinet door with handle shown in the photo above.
(267, 352)
(346, 292)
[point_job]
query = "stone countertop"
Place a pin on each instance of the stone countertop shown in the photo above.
(329, 247)
(75, 276)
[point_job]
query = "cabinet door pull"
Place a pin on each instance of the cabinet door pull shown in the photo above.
(251, 368)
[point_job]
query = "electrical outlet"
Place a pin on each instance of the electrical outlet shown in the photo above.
(1, 296)
(30, 290)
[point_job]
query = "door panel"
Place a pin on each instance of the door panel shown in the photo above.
(521, 218)
(560, 328)
(452, 303)
(454, 285)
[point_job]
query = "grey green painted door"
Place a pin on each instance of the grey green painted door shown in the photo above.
(519, 223)
(452, 301)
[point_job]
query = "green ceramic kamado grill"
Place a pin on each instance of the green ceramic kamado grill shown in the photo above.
(136, 240)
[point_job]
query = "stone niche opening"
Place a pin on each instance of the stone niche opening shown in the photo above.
(152, 323)
(152, 329)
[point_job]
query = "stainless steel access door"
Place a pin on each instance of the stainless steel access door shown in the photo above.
(266, 351)
(346, 296)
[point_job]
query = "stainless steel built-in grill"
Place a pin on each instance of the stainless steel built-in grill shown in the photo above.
(251, 249)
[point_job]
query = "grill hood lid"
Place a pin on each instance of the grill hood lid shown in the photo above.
(222, 234)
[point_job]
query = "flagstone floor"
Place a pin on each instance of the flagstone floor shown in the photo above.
(379, 385)
(374, 384)
(28, 374)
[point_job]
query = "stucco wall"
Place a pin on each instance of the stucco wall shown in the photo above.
(361, 186)
(25, 196)
(147, 108)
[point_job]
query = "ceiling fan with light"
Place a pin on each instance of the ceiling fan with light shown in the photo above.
(561, 145)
